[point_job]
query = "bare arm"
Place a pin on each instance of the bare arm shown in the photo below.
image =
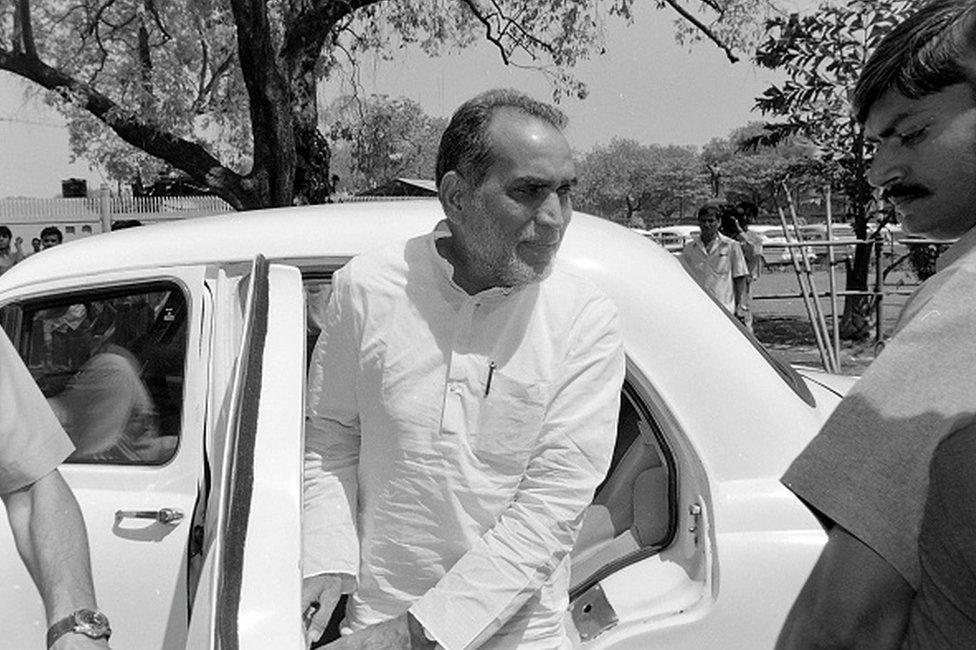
(740, 287)
(852, 599)
(50, 534)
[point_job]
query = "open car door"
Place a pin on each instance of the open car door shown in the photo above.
(249, 591)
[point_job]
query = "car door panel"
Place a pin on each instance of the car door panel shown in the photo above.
(249, 593)
(138, 563)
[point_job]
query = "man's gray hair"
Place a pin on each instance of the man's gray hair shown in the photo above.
(932, 49)
(466, 144)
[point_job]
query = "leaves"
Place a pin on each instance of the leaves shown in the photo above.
(147, 84)
(627, 181)
(379, 139)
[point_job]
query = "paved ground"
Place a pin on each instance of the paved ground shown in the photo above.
(783, 326)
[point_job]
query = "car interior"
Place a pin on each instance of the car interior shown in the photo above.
(91, 353)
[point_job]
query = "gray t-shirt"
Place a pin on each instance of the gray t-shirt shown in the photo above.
(867, 469)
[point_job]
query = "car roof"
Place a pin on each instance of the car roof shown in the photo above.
(662, 311)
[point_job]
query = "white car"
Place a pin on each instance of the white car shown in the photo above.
(691, 542)
(673, 238)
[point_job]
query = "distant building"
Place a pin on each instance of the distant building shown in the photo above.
(403, 187)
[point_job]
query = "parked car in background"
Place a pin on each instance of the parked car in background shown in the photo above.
(673, 238)
(691, 541)
(775, 251)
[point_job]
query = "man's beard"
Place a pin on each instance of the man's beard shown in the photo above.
(491, 255)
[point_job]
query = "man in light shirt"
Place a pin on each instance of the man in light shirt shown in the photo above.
(717, 263)
(462, 405)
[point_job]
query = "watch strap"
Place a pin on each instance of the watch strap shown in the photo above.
(75, 622)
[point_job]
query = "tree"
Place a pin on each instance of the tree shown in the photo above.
(632, 183)
(742, 169)
(823, 54)
(378, 139)
(171, 78)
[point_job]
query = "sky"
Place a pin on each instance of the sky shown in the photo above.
(645, 87)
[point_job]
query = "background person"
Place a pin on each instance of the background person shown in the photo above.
(47, 524)
(462, 405)
(900, 560)
(717, 263)
(735, 225)
(50, 237)
(7, 257)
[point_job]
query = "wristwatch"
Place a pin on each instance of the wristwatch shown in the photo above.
(90, 622)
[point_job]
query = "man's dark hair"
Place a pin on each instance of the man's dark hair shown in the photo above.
(466, 145)
(52, 231)
(718, 208)
(932, 49)
(5, 232)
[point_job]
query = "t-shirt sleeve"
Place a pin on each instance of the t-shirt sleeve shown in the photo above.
(32, 442)
(867, 470)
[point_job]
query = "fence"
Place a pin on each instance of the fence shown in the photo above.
(93, 214)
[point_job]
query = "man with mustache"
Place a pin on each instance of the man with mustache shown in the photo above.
(462, 406)
(892, 469)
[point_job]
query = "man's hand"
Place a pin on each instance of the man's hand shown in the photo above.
(400, 633)
(319, 597)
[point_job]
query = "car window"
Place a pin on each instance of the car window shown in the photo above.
(111, 365)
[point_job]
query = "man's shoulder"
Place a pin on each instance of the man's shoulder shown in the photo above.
(382, 261)
(568, 287)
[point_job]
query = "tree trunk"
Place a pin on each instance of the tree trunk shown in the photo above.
(312, 153)
(270, 100)
(858, 315)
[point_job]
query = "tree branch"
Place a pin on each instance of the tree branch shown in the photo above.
(700, 26)
(185, 155)
(24, 29)
(308, 31)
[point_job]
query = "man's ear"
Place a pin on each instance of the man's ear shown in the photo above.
(451, 193)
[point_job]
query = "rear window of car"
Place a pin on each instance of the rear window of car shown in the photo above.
(111, 364)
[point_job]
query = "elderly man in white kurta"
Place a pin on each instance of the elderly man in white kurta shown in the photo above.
(462, 406)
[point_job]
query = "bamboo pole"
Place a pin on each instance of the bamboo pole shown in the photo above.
(824, 355)
(817, 308)
(832, 280)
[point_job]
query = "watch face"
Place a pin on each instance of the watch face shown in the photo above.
(91, 623)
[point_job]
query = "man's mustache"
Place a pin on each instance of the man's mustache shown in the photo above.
(903, 191)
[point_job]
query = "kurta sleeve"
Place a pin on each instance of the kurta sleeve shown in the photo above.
(332, 435)
(535, 534)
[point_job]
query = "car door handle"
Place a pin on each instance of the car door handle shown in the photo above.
(171, 516)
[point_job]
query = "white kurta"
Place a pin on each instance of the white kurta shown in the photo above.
(468, 433)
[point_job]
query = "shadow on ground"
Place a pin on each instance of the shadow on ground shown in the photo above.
(793, 339)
